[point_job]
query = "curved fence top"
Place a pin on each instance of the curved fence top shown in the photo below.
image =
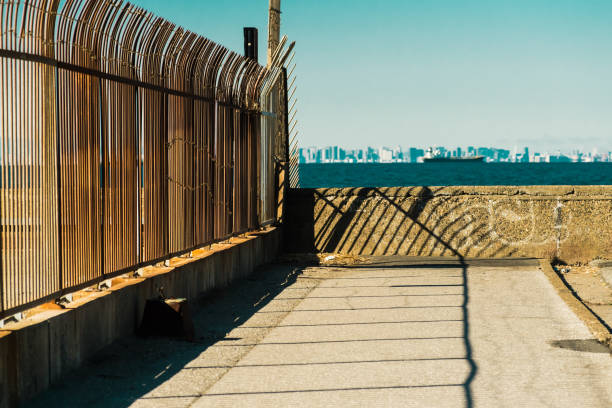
(124, 140)
(122, 40)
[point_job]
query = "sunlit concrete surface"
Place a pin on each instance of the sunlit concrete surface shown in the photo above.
(445, 335)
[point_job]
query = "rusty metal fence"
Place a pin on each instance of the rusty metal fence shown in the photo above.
(124, 140)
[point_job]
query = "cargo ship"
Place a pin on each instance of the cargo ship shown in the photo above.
(435, 156)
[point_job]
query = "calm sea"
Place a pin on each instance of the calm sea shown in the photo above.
(453, 174)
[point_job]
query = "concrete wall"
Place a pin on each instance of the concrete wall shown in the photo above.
(570, 223)
(38, 351)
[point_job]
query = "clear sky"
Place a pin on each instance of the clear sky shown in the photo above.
(534, 73)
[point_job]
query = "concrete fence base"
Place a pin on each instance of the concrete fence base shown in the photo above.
(39, 350)
(565, 222)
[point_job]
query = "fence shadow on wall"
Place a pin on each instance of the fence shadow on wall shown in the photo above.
(351, 223)
(391, 221)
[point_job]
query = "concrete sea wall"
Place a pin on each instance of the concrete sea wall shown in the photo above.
(566, 222)
(37, 351)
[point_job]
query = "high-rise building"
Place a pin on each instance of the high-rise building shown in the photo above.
(302, 155)
(359, 156)
(486, 152)
(525, 157)
(372, 155)
(385, 155)
(501, 155)
(415, 154)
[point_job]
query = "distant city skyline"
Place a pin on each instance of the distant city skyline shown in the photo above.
(401, 154)
(522, 72)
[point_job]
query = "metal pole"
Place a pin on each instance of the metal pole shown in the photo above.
(273, 28)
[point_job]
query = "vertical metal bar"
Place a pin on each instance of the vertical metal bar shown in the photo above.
(102, 177)
(22, 205)
(137, 215)
(165, 183)
(5, 188)
(3, 170)
(12, 236)
(58, 181)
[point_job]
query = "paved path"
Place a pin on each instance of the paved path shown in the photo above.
(413, 336)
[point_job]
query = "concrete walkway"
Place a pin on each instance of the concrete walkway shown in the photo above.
(442, 335)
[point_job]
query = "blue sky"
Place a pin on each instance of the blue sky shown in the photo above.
(534, 73)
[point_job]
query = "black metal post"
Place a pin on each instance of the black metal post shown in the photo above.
(250, 43)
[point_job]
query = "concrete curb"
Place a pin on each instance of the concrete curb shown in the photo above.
(590, 319)
(36, 352)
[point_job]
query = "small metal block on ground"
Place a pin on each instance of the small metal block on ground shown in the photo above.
(167, 317)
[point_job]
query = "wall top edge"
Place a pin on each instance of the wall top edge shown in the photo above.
(433, 191)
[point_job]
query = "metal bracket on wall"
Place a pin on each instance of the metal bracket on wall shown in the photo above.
(64, 300)
(105, 284)
(16, 318)
(188, 255)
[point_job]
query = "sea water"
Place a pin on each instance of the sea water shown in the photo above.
(453, 174)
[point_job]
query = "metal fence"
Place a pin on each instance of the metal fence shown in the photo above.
(291, 123)
(124, 140)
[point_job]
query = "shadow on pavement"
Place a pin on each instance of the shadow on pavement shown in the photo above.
(585, 346)
(130, 368)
